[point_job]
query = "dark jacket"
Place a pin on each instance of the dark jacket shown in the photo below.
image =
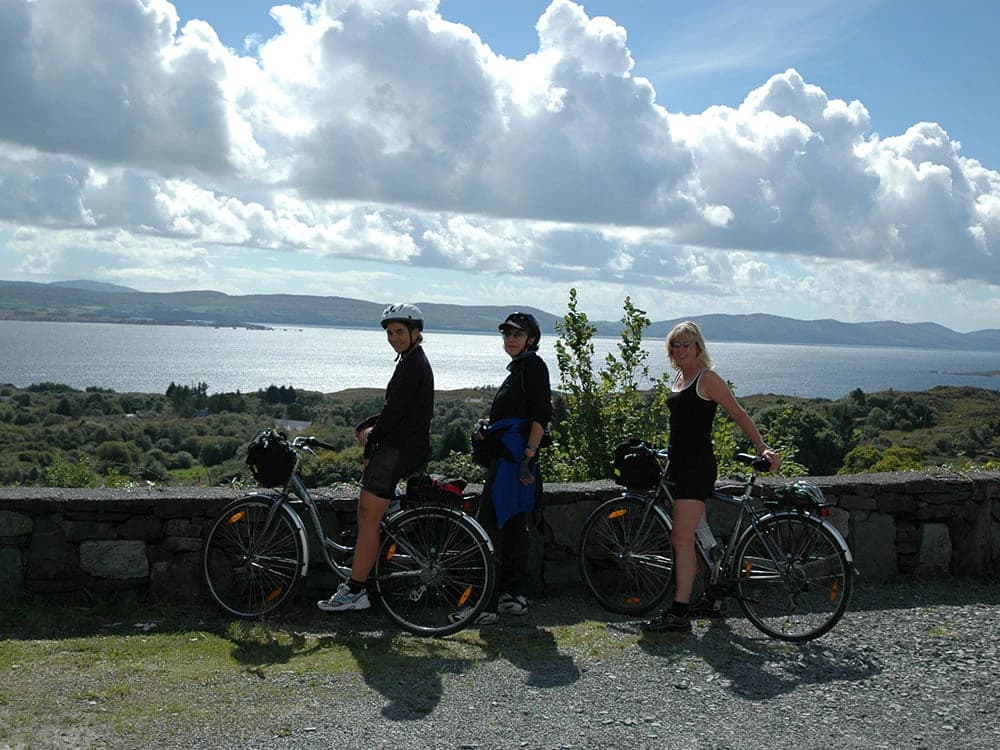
(525, 393)
(405, 420)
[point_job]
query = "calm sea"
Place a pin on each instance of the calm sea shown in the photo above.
(140, 358)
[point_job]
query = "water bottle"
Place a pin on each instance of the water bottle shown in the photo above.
(704, 534)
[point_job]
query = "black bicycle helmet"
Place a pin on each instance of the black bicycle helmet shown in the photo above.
(403, 312)
(523, 322)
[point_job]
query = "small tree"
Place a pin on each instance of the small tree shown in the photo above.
(580, 442)
(599, 411)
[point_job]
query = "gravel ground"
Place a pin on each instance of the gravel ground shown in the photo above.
(910, 666)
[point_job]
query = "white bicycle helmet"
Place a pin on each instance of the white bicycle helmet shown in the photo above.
(403, 312)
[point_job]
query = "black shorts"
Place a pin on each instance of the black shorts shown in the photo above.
(387, 465)
(694, 477)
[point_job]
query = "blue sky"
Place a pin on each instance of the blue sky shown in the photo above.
(814, 159)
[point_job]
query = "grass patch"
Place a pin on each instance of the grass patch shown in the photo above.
(136, 672)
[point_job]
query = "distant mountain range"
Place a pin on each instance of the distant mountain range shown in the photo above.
(88, 301)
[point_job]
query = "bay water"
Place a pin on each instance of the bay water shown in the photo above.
(147, 358)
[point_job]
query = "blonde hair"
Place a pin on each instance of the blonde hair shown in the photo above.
(690, 330)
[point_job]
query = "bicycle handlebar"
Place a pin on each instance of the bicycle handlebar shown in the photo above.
(757, 463)
(303, 441)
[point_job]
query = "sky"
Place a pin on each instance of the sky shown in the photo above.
(810, 159)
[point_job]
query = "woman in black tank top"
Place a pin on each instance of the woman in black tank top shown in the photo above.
(695, 395)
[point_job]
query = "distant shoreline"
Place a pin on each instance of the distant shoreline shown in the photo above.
(6, 315)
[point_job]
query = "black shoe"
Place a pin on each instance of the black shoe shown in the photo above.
(667, 622)
(707, 607)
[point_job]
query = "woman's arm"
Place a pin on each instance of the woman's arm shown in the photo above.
(713, 386)
(534, 439)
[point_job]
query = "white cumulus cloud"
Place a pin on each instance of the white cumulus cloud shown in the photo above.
(378, 130)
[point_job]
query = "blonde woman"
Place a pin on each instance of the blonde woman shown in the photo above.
(695, 394)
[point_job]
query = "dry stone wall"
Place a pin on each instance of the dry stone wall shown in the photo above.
(100, 544)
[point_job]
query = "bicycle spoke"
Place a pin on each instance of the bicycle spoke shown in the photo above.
(251, 569)
(626, 560)
(434, 566)
(794, 582)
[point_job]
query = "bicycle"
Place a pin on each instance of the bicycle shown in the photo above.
(786, 565)
(434, 573)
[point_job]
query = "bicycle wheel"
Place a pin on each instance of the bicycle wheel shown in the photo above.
(803, 593)
(626, 558)
(435, 570)
(251, 567)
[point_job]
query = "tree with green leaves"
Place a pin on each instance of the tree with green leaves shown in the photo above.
(600, 410)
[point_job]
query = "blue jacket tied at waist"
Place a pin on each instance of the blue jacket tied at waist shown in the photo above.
(510, 497)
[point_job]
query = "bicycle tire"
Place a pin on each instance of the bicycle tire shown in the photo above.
(810, 597)
(626, 563)
(250, 570)
(435, 571)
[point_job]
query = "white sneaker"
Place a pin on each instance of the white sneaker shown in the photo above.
(344, 599)
(483, 618)
(512, 604)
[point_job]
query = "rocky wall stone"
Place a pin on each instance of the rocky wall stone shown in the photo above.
(146, 528)
(935, 550)
(77, 531)
(874, 545)
(15, 524)
(11, 572)
(50, 556)
(114, 559)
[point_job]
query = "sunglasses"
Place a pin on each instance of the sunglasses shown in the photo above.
(513, 333)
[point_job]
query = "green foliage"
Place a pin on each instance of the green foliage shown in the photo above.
(728, 440)
(867, 459)
(600, 410)
(334, 468)
(66, 473)
(818, 444)
(54, 435)
(459, 464)
(580, 442)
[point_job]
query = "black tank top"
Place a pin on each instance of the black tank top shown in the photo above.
(690, 421)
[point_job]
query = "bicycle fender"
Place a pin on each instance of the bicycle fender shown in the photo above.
(479, 528)
(841, 542)
(296, 519)
(642, 498)
(452, 512)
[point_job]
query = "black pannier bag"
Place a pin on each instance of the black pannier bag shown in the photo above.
(270, 459)
(635, 465)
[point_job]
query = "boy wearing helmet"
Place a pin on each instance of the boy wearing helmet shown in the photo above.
(397, 442)
(519, 413)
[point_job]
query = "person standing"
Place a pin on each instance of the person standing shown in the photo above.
(694, 396)
(396, 441)
(511, 438)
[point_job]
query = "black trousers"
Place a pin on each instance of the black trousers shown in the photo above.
(512, 542)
